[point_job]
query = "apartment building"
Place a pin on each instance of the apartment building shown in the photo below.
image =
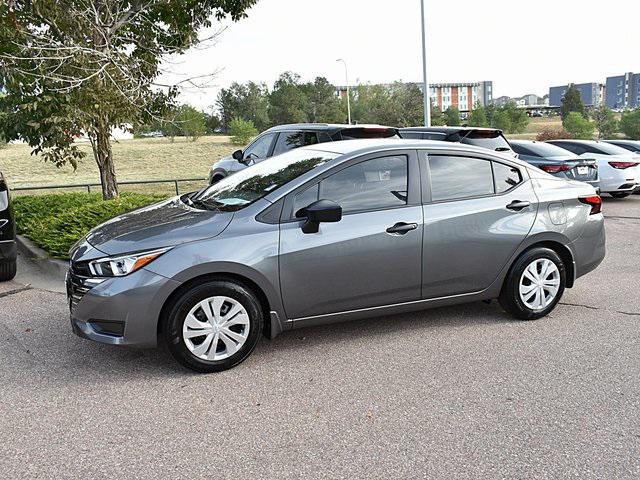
(592, 94)
(623, 91)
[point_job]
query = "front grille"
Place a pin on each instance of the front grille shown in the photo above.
(77, 287)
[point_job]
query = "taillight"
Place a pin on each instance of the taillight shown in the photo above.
(594, 201)
(555, 168)
(622, 165)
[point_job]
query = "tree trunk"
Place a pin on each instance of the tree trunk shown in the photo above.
(101, 143)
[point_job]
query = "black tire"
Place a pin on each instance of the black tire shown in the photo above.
(619, 195)
(510, 295)
(8, 270)
(173, 324)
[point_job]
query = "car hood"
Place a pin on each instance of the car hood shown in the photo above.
(164, 224)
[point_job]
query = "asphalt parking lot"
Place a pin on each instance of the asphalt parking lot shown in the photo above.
(458, 392)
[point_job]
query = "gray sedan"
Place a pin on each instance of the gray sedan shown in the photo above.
(333, 232)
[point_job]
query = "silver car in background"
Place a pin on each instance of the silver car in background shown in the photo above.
(618, 169)
(333, 232)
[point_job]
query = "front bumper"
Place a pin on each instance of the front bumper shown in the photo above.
(118, 311)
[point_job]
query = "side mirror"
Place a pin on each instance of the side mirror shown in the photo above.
(238, 155)
(321, 211)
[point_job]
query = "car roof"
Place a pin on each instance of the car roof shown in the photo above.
(324, 126)
(445, 129)
(363, 146)
(571, 140)
(623, 141)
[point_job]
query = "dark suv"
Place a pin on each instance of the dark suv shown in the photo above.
(8, 252)
(283, 138)
(489, 138)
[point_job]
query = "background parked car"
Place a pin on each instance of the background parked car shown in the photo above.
(283, 138)
(617, 168)
(8, 251)
(489, 138)
(557, 161)
(631, 145)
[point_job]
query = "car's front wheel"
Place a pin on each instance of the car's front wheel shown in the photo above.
(534, 285)
(213, 326)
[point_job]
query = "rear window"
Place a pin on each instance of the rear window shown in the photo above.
(542, 150)
(491, 140)
(364, 132)
(609, 149)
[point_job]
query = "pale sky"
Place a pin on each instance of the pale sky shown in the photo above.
(524, 46)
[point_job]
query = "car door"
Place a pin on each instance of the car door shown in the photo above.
(372, 257)
(477, 212)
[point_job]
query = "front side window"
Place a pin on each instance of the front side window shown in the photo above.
(260, 148)
(370, 185)
(459, 177)
(246, 186)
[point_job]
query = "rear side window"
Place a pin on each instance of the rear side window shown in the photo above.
(506, 177)
(572, 147)
(365, 132)
(370, 185)
(459, 177)
(290, 140)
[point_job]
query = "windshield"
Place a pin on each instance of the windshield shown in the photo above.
(545, 150)
(246, 186)
(486, 139)
(609, 149)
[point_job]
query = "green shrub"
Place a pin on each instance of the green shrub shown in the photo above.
(241, 131)
(55, 222)
(630, 124)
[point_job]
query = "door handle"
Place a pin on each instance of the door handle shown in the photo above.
(401, 228)
(518, 205)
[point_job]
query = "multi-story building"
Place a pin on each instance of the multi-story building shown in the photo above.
(623, 91)
(592, 94)
(444, 95)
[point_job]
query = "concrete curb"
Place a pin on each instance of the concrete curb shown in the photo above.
(51, 266)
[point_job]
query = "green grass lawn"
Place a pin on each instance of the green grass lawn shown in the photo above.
(137, 159)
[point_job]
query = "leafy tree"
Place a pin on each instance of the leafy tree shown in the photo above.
(190, 122)
(478, 116)
(518, 119)
(322, 103)
(86, 66)
(501, 120)
(242, 131)
(288, 102)
(605, 122)
(437, 119)
(630, 124)
(452, 116)
(212, 122)
(249, 101)
(578, 126)
(572, 102)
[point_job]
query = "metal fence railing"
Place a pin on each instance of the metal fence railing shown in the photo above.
(176, 183)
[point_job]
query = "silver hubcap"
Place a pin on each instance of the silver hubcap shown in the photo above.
(539, 284)
(216, 328)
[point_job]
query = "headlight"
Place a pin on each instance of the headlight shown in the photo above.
(124, 265)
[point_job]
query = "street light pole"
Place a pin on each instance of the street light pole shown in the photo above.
(425, 83)
(346, 75)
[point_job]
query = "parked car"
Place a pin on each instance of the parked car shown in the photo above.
(283, 138)
(617, 168)
(334, 232)
(631, 145)
(557, 161)
(8, 251)
(489, 138)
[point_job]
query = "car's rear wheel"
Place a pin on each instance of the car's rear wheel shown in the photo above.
(214, 326)
(534, 285)
(619, 194)
(8, 270)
